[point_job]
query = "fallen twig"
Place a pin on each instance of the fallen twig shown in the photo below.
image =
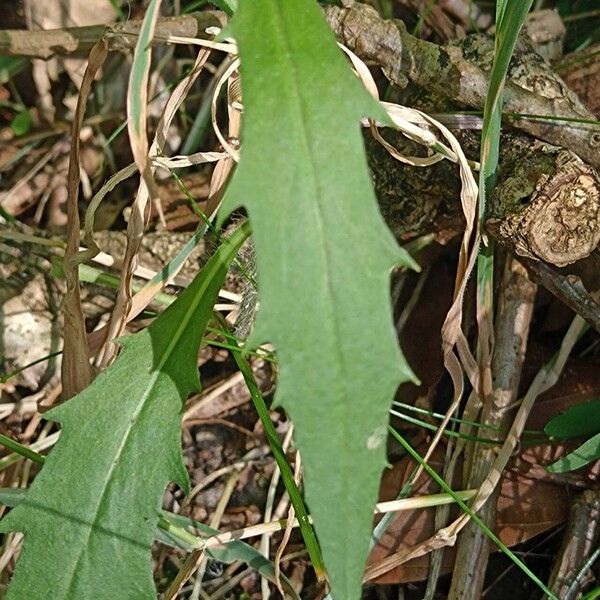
(579, 542)
(512, 330)
(78, 41)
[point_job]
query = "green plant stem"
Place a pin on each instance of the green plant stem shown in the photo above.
(447, 432)
(308, 533)
(475, 424)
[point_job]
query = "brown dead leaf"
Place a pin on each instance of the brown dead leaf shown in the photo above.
(176, 206)
(425, 324)
(581, 72)
(466, 13)
(434, 19)
(579, 383)
(531, 500)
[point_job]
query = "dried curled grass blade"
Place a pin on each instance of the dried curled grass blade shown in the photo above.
(181, 161)
(137, 92)
(76, 371)
(122, 310)
(151, 289)
(172, 162)
(362, 71)
(546, 377)
(229, 48)
(225, 77)
(137, 104)
(109, 186)
(381, 508)
(224, 167)
(412, 123)
(452, 334)
(415, 161)
(174, 102)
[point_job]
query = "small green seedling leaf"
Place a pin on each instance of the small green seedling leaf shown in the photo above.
(586, 453)
(579, 421)
(324, 257)
(22, 122)
(90, 516)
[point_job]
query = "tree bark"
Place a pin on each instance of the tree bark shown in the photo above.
(460, 72)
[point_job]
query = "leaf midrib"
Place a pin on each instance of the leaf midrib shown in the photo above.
(139, 409)
(305, 139)
(306, 148)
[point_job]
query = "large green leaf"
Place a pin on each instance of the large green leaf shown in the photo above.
(90, 516)
(236, 550)
(324, 257)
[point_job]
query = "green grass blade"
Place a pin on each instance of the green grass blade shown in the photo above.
(21, 449)
(588, 452)
(509, 20)
(287, 474)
